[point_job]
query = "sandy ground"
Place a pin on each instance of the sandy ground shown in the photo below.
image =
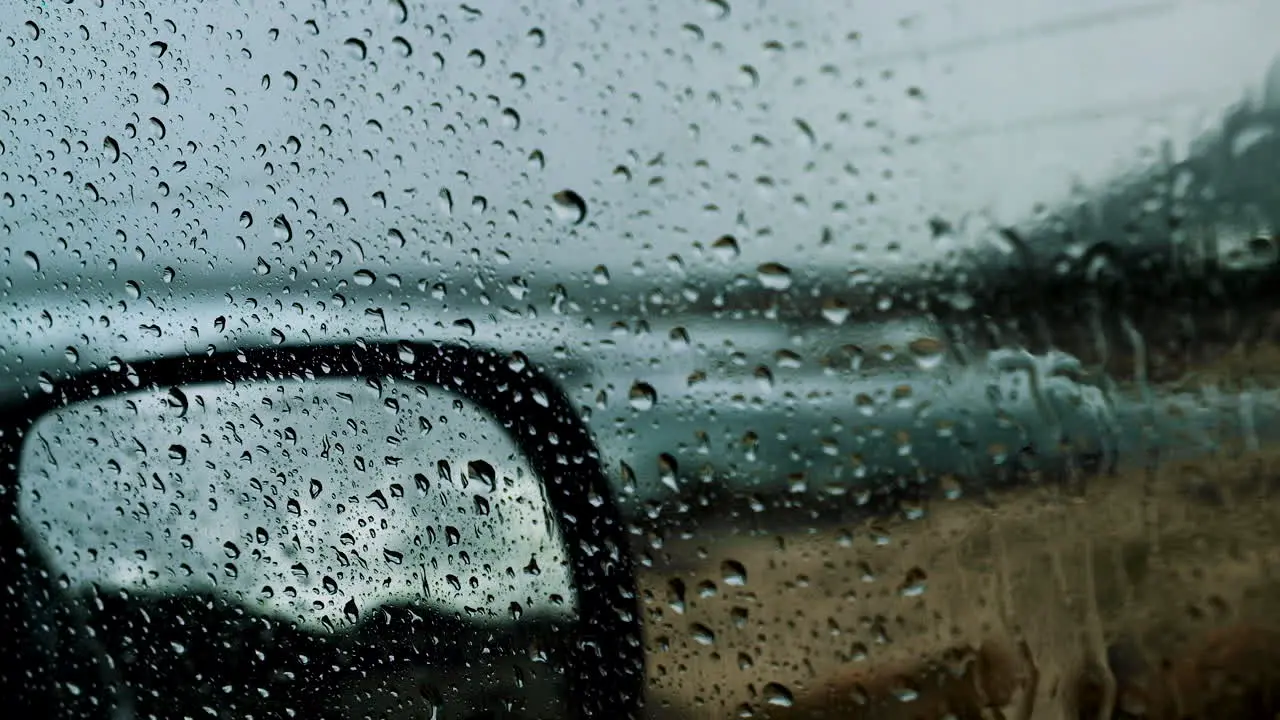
(1155, 558)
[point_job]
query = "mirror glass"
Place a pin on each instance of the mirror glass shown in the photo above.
(314, 502)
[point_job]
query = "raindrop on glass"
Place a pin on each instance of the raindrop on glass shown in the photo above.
(774, 276)
(111, 149)
(702, 634)
(570, 207)
(734, 573)
(642, 396)
(726, 248)
(778, 695)
(356, 48)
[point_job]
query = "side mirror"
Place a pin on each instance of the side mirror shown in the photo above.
(393, 529)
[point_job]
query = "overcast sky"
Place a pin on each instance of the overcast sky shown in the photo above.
(1011, 104)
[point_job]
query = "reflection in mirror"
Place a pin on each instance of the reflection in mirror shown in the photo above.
(311, 502)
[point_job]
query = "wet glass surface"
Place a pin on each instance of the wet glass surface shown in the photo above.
(928, 350)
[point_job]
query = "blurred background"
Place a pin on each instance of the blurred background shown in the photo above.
(898, 327)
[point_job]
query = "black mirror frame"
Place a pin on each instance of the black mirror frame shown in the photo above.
(606, 664)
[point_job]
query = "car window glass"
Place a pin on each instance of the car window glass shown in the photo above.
(913, 337)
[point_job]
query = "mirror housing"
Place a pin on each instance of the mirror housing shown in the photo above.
(605, 663)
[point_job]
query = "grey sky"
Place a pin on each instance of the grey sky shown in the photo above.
(1015, 103)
